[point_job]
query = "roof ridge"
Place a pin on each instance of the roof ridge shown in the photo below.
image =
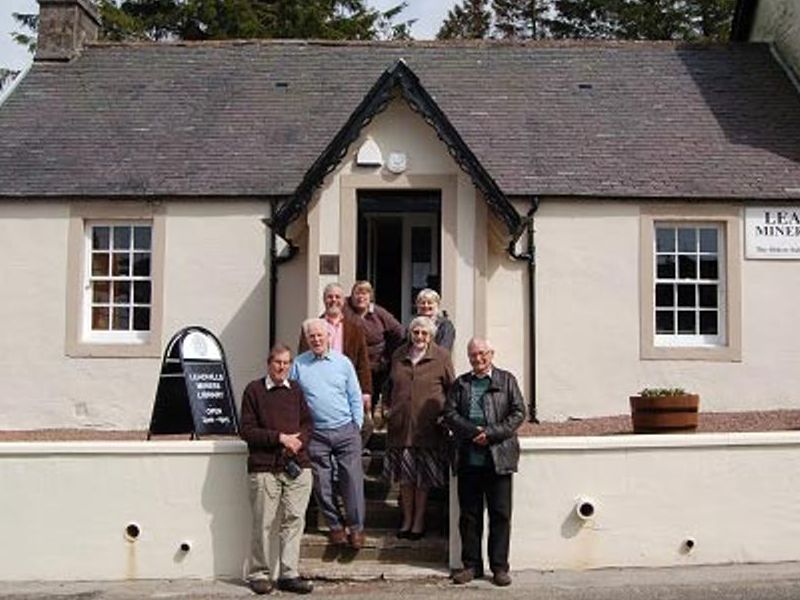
(483, 43)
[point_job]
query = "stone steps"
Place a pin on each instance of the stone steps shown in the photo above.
(383, 554)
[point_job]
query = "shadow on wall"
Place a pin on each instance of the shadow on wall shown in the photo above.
(752, 99)
(246, 339)
(225, 502)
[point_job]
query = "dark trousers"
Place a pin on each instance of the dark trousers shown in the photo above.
(479, 487)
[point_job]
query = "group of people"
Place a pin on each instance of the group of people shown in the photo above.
(308, 420)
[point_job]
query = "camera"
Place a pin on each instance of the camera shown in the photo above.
(292, 469)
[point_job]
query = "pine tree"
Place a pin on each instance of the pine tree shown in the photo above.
(472, 20)
(520, 19)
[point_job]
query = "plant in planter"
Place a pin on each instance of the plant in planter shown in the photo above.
(664, 410)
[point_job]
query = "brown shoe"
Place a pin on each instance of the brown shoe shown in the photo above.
(357, 539)
(501, 578)
(463, 576)
(261, 586)
(337, 537)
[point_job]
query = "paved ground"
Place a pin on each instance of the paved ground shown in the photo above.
(733, 582)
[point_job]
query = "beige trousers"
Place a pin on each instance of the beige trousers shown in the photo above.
(270, 492)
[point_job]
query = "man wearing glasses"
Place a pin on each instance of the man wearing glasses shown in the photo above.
(484, 409)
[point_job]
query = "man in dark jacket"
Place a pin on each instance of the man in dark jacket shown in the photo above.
(484, 409)
(276, 424)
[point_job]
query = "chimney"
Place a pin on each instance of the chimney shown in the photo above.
(64, 27)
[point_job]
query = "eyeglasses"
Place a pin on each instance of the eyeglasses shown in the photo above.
(479, 354)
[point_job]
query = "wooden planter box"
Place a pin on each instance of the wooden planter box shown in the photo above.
(664, 414)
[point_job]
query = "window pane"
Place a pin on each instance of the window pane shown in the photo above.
(709, 267)
(708, 322)
(687, 267)
(686, 295)
(121, 264)
(101, 292)
(707, 296)
(99, 264)
(122, 292)
(141, 292)
(121, 318)
(665, 239)
(141, 264)
(708, 240)
(665, 267)
(100, 238)
(687, 240)
(665, 294)
(665, 321)
(686, 322)
(122, 238)
(141, 238)
(100, 318)
(141, 318)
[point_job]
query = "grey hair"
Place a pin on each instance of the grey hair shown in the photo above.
(478, 340)
(428, 294)
(332, 286)
(425, 322)
(313, 321)
(279, 348)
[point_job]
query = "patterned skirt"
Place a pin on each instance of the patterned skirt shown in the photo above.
(420, 467)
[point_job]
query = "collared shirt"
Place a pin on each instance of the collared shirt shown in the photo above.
(336, 331)
(269, 383)
(331, 388)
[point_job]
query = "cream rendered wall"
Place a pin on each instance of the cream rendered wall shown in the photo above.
(587, 297)
(778, 21)
(215, 276)
(331, 217)
(507, 306)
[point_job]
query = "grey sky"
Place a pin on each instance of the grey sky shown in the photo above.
(429, 15)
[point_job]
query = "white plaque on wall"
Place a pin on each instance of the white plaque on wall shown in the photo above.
(772, 232)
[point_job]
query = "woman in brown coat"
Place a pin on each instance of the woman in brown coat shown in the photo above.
(420, 375)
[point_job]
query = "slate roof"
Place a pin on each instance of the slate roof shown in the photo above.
(249, 118)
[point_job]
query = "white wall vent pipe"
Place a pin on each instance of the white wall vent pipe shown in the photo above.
(585, 508)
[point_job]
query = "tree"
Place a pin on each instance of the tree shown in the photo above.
(472, 20)
(643, 19)
(242, 19)
(520, 19)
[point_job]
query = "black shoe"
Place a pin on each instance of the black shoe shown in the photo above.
(295, 585)
(415, 536)
(501, 578)
(261, 586)
(402, 534)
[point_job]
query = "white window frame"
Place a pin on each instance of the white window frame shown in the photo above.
(730, 219)
(112, 336)
(80, 340)
(693, 340)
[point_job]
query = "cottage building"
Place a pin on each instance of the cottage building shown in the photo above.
(612, 215)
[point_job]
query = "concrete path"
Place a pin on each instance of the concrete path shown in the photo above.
(730, 582)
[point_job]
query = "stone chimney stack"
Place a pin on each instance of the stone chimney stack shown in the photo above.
(64, 27)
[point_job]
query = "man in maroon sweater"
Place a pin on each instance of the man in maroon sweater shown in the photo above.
(276, 424)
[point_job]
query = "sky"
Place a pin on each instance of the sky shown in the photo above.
(429, 15)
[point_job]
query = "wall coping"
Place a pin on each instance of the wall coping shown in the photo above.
(120, 447)
(661, 441)
(528, 444)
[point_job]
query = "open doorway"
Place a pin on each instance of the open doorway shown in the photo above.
(399, 246)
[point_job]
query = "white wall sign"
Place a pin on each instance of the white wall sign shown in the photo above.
(772, 232)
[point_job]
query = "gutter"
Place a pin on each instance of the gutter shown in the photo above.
(274, 262)
(529, 256)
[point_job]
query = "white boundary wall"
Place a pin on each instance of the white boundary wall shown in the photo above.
(65, 506)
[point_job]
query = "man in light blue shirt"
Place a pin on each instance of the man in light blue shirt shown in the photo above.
(330, 385)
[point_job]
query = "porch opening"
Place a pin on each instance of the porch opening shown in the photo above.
(399, 245)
